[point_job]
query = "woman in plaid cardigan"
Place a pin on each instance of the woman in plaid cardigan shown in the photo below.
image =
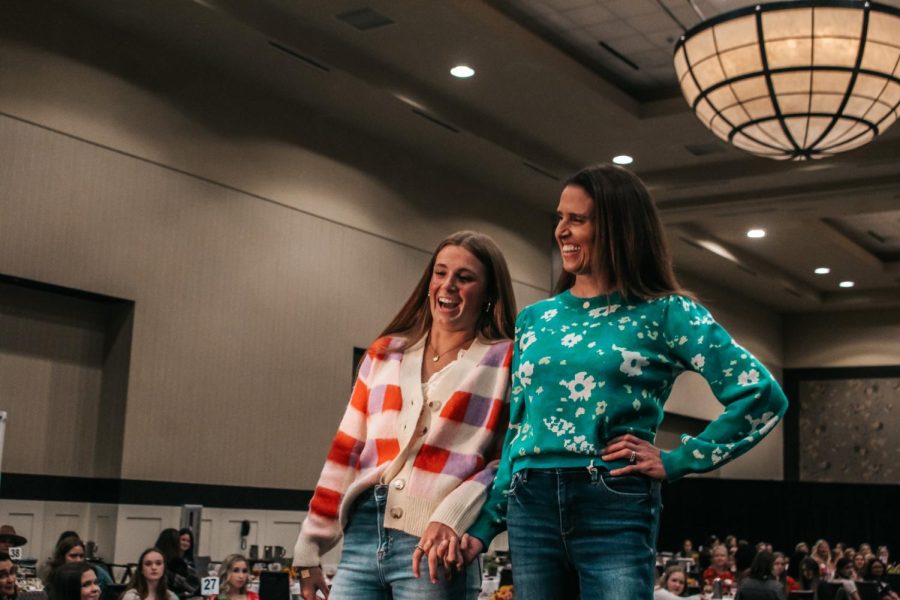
(418, 446)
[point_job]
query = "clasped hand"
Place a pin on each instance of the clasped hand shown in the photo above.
(443, 547)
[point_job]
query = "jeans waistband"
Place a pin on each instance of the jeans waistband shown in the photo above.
(589, 472)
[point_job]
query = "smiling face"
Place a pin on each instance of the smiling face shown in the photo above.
(575, 230)
(90, 589)
(153, 567)
(719, 557)
(238, 575)
(184, 542)
(457, 291)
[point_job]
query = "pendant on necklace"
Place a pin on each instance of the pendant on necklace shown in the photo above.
(436, 358)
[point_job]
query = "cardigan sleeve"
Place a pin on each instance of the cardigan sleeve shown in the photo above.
(462, 506)
(753, 400)
(491, 521)
(321, 529)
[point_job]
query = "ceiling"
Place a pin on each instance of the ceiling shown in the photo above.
(546, 99)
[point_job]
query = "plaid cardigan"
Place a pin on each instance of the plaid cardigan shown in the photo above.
(440, 472)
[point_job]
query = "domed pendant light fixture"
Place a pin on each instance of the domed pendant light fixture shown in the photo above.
(794, 80)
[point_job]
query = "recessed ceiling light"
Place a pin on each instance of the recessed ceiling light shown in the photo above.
(756, 233)
(462, 71)
(822, 270)
(623, 159)
(846, 284)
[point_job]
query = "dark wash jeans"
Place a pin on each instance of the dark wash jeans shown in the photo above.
(583, 528)
(376, 562)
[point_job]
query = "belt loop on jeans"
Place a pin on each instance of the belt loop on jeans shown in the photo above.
(595, 474)
(523, 475)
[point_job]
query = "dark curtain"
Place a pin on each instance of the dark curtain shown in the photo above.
(780, 512)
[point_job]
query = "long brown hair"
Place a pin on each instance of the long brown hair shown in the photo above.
(140, 584)
(63, 547)
(630, 249)
(499, 323)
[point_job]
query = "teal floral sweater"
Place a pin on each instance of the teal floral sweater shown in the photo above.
(586, 370)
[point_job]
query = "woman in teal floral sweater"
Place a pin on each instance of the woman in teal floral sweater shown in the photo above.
(578, 483)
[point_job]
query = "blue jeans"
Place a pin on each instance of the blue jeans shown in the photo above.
(376, 563)
(582, 528)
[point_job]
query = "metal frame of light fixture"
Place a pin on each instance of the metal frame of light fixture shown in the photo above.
(765, 139)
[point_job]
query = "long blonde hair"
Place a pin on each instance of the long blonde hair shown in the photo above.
(224, 587)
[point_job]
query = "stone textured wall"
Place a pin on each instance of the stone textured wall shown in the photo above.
(849, 430)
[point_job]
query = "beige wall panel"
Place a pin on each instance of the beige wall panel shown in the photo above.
(138, 526)
(275, 150)
(28, 521)
(51, 376)
(240, 303)
(868, 338)
(244, 299)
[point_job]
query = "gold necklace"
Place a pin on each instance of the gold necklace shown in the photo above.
(438, 357)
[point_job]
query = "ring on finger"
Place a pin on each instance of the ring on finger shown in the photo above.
(418, 547)
(633, 458)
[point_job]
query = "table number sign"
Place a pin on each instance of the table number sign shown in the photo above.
(209, 586)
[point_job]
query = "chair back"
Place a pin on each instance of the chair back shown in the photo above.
(868, 590)
(274, 586)
(112, 591)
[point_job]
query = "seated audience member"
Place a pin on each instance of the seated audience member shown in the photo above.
(70, 549)
(75, 581)
(671, 585)
(821, 553)
(687, 551)
(760, 584)
(10, 539)
(843, 574)
(859, 566)
(234, 574)
(884, 555)
(731, 541)
(149, 581)
(875, 570)
(718, 568)
(779, 572)
(705, 552)
(743, 560)
(179, 578)
(810, 575)
(186, 548)
(8, 588)
(801, 551)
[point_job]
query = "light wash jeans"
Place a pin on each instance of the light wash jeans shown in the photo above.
(376, 563)
(581, 528)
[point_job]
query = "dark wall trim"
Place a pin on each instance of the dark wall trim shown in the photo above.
(19, 486)
(792, 379)
(780, 512)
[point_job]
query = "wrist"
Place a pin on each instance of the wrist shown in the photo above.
(306, 572)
